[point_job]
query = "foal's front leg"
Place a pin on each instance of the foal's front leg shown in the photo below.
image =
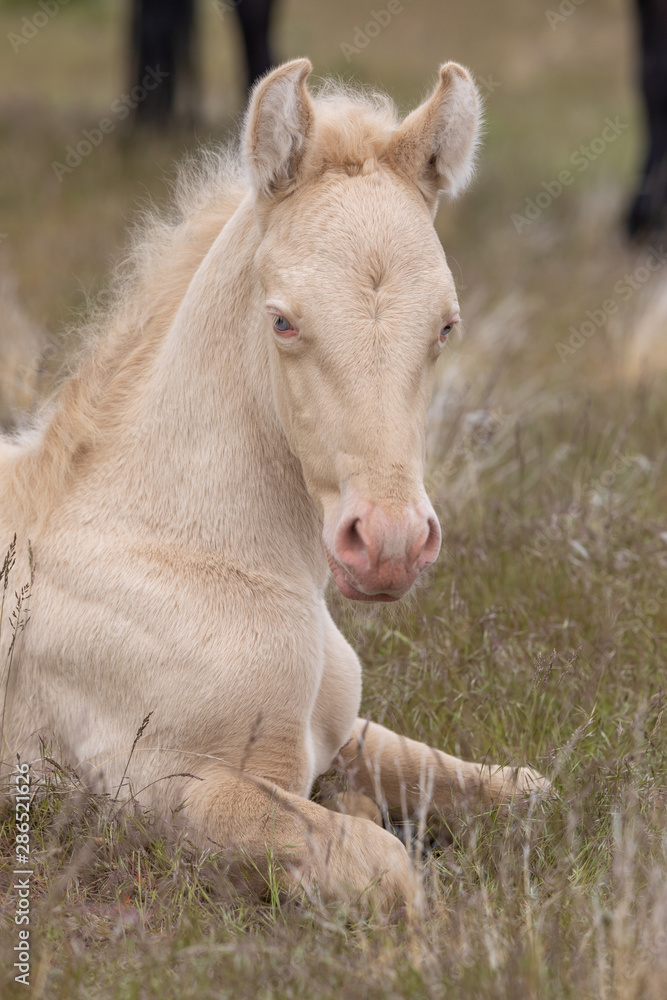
(402, 775)
(342, 857)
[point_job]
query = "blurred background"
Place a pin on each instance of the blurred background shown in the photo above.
(530, 252)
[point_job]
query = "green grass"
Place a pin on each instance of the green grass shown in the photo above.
(540, 636)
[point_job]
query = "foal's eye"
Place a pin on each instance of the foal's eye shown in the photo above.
(447, 329)
(282, 325)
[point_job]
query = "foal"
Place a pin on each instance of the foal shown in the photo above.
(250, 424)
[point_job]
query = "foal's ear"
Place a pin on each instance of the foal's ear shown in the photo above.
(435, 145)
(279, 119)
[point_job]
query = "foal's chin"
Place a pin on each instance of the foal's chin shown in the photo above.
(349, 590)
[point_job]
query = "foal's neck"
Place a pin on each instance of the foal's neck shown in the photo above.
(213, 463)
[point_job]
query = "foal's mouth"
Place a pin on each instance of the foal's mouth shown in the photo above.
(351, 589)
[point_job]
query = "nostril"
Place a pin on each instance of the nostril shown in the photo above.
(355, 542)
(432, 544)
(350, 540)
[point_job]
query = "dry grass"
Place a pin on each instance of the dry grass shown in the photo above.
(542, 633)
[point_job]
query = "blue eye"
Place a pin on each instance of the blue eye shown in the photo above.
(448, 327)
(282, 325)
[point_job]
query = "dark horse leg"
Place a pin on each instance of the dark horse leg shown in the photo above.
(255, 20)
(648, 211)
(162, 36)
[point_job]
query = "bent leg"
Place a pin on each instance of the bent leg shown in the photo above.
(406, 776)
(341, 857)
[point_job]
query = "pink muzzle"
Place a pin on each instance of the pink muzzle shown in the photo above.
(376, 557)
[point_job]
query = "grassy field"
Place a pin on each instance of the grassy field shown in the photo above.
(540, 636)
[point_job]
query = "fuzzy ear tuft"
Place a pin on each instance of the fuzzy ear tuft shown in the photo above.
(277, 125)
(435, 145)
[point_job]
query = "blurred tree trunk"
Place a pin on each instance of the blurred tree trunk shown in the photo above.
(162, 40)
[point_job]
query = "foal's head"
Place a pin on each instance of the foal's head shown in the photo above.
(359, 302)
